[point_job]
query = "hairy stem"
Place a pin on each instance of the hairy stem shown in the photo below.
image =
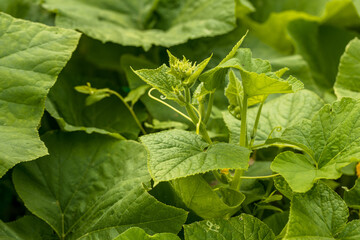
(195, 118)
(253, 133)
(236, 183)
(209, 108)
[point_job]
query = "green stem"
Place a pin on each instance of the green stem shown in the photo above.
(253, 134)
(202, 109)
(236, 183)
(243, 130)
(209, 108)
(130, 110)
(259, 177)
(194, 118)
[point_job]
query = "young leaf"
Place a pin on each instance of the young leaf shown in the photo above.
(257, 79)
(234, 91)
(347, 80)
(136, 233)
(130, 22)
(198, 196)
(276, 115)
(215, 77)
(243, 227)
(28, 69)
(330, 141)
(156, 109)
(163, 81)
(135, 95)
(176, 153)
(91, 185)
(320, 214)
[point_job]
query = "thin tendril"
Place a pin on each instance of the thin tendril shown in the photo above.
(278, 129)
(166, 104)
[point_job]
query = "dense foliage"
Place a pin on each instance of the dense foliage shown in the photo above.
(179, 119)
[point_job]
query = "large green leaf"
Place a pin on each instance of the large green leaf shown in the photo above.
(133, 23)
(198, 196)
(29, 64)
(243, 227)
(347, 81)
(139, 234)
(320, 214)
(178, 153)
(330, 141)
(276, 115)
(26, 228)
(90, 187)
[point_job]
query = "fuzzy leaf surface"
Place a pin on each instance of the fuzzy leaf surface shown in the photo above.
(282, 112)
(243, 227)
(177, 153)
(320, 214)
(330, 140)
(90, 187)
(28, 69)
(139, 234)
(198, 196)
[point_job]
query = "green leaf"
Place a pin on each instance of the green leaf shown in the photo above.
(320, 214)
(330, 142)
(214, 77)
(139, 234)
(134, 95)
(347, 80)
(277, 221)
(159, 125)
(90, 187)
(28, 68)
(283, 187)
(352, 196)
(26, 228)
(156, 109)
(257, 79)
(243, 227)
(144, 23)
(272, 20)
(163, 81)
(234, 91)
(324, 52)
(27, 9)
(108, 116)
(177, 153)
(198, 196)
(276, 115)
